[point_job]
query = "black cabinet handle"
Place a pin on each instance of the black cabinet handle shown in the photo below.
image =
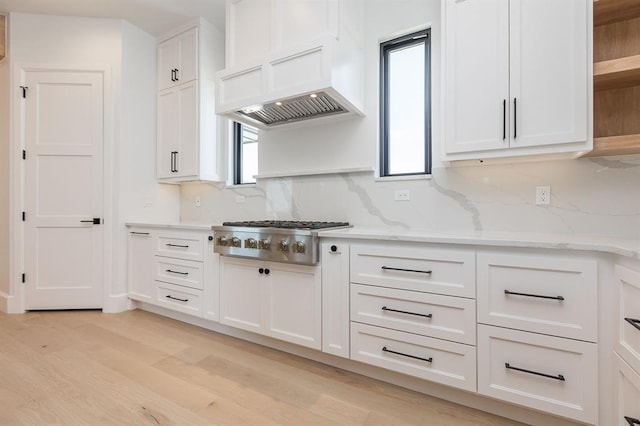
(633, 322)
(261, 271)
(173, 75)
(176, 245)
(267, 271)
(138, 233)
(175, 298)
(210, 238)
(384, 308)
(94, 221)
(175, 161)
(504, 119)
(550, 376)
(177, 77)
(334, 249)
(515, 118)
(176, 272)
(632, 421)
(387, 268)
(539, 296)
(430, 359)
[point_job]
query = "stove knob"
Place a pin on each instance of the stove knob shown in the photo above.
(264, 244)
(283, 245)
(250, 243)
(235, 242)
(299, 247)
(222, 240)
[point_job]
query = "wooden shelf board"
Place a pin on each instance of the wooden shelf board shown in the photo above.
(608, 11)
(3, 41)
(617, 73)
(615, 145)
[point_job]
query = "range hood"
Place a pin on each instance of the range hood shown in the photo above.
(312, 82)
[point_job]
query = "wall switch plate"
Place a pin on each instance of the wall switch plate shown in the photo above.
(198, 202)
(543, 195)
(240, 199)
(402, 195)
(148, 201)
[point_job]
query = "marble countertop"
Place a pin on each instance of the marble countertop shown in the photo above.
(620, 246)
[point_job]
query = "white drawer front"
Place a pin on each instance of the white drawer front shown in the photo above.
(179, 299)
(549, 295)
(444, 317)
(443, 271)
(628, 316)
(188, 246)
(576, 362)
(627, 395)
(450, 363)
(181, 272)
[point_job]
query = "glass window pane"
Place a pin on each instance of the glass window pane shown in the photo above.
(247, 149)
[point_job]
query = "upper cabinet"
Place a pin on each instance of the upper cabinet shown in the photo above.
(616, 55)
(291, 60)
(190, 145)
(516, 78)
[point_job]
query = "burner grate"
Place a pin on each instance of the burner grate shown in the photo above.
(286, 224)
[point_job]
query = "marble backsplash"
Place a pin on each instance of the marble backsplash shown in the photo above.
(599, 196)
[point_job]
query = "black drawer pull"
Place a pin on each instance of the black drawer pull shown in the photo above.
(176, 272)
(558, 377)
(176, 245)
(384, 349)
(633, 322)
(388, 268)
(138, 233)
(384, 308)
(632, 421)
(513, 293)
(168, 296)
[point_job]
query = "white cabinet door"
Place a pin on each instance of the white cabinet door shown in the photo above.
(548, 59)
(211, 292)
(335, 298)
(178, 59)
(293, 304)
(140, 265)
(240, 294)
(626, 395)
(628, 315)
(178, 126)
(477, 75)
(249, 25)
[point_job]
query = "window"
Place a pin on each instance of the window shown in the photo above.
(245, 153)
(405, 105)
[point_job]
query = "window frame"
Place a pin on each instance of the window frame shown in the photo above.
(238, 154)
(413, 38)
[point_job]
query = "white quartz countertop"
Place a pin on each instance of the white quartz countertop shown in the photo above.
(620, 246)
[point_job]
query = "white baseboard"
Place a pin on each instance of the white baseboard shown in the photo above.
(8, 304)
(117, 303)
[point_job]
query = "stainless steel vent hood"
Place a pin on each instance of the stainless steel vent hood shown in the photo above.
(312, 82)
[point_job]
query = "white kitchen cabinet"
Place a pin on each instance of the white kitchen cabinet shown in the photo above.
(140, 264)
(517, 78)
(190, 145)
(334, 258)
(626, 395)
(628, 315)
(274, 299)
(178, 59)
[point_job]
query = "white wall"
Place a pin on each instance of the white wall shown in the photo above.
(589, 197)
(4, 177)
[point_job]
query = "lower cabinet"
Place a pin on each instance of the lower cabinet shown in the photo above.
(546, 373)
(274, 299)
(140, 243)
(179, 298)
(627, 395)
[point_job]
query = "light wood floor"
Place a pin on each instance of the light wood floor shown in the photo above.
(89, 368)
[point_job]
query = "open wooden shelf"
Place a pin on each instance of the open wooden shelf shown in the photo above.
(617, 73)
(615, 145)
(608, 11)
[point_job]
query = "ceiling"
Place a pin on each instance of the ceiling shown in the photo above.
(154, 16)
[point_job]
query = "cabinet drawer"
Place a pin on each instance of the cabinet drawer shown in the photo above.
(550, 374)
(628, 315)
(443, 271)
(627, 395)
(179, 299)
(181, 246)
(181, 272)
(444, 317)
(543, 294)
(449, 363)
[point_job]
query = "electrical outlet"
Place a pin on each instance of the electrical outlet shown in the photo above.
(543, 195)
(402, 195)
(148, 201)
(240, 199)
(198, 202)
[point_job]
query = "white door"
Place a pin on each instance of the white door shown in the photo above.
(167, 62)
(63, 125)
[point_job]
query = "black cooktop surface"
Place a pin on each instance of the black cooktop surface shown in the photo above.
(286, 224)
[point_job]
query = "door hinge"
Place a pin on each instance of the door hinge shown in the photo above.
(24, 216)
(24, 154)
(24, 278)
(24, 91)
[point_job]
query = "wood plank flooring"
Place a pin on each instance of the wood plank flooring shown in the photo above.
(138, 368)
